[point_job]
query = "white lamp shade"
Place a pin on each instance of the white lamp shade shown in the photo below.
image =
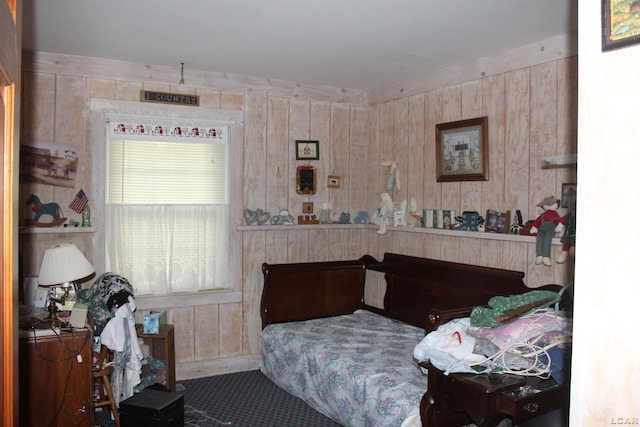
(62, 263)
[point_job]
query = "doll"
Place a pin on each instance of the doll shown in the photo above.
(568, 238)
(545, 228)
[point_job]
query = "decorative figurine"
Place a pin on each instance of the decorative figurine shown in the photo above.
(545, 228)
(52, 209)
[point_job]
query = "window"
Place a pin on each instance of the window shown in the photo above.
(167, 210)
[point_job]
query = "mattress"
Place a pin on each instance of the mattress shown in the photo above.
(357, 369)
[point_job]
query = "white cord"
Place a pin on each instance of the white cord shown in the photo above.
(203, 418)
(524, 350)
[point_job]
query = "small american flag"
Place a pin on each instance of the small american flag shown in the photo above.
(79, 202)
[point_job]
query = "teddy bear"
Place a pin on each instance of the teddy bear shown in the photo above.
(545, 227)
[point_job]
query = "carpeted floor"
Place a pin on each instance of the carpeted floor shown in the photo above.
(245, 399)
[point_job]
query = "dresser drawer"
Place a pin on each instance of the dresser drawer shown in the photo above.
(530, 401)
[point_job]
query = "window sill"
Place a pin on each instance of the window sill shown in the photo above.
(221, 296)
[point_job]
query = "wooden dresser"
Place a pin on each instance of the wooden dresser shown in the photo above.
(56, 385)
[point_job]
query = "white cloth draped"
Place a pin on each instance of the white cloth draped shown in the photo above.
(119, 335)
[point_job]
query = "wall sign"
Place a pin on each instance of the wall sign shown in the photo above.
(169, 98)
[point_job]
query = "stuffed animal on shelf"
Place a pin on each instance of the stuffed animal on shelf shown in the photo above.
(383, 213)
(545, 228)
(568, 238)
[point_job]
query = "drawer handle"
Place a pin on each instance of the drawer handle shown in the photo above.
(531, 407)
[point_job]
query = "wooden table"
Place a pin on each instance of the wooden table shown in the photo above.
(483, 399)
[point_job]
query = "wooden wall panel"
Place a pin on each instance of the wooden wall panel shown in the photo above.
(356, 181)
(320, 130)
(255, 152)
(433, 116)
(543, 133)
(209, 98)
(254, 253)
(415, 173)
(183, 319)
(207, 329)
(230, 320)
(493, 190)
(516, 186)
(319, 241)
(338, 157)
(38, 106)
(472, 99)
(297, 246)
(299, 122)
(278, 150)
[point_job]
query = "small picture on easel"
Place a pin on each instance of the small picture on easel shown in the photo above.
(307, 207)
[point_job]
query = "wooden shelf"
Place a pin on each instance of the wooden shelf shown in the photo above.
(436, 231)
(56, 230)
(561, 161)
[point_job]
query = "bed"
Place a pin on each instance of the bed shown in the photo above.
(351, 361)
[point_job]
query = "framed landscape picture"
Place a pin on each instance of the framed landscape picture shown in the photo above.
(462, 150)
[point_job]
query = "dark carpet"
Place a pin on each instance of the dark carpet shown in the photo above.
(246, 399)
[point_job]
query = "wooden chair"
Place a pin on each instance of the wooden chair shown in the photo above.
(101, 374)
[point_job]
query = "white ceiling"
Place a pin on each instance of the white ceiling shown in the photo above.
(355, 44)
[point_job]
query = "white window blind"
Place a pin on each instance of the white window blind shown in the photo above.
(159, 172)
(167, 214)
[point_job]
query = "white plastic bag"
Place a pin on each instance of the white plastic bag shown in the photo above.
(449, 348)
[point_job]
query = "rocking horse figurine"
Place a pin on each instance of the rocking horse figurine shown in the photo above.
(52, 209)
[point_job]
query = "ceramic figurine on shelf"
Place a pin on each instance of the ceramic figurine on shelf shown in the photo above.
(86, 216)
(51, 209)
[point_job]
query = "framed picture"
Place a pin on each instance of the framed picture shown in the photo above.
(333, 181)
(620, 23)
(462, 150)
(306, 180)
(307, 207)
(569, 193)
(307, 150)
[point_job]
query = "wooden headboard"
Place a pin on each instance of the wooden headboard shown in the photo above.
(303, 291)
(420, 291)
(427, 292)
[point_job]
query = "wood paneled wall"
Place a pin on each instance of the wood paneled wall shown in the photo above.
(532, 114)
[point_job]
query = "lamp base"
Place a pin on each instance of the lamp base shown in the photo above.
(56, 322)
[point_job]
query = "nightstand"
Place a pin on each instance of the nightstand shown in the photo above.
(161, 346)
(486, 399)
(56, 385)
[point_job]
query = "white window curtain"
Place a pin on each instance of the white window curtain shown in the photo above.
(167, 210)
(164, 249)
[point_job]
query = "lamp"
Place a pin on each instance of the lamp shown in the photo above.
(63, 264)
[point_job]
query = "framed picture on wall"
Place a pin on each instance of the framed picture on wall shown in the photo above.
(462, 150)
(307, 150)
(620, 23)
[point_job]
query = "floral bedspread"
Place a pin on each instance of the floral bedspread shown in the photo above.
(357, 369)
